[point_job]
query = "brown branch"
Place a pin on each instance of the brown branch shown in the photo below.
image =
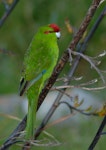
(58, 68)
(85, 23)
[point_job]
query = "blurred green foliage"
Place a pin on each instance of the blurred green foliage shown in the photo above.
(20, 26)
(15, 36)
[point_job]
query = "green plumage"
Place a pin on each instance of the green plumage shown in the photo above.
(39, 62)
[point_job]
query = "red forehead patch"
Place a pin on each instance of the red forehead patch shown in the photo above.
(55, 27)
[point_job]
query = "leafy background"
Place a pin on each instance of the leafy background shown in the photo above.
(15, 36)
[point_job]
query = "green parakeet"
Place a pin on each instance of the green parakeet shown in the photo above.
(39, 62)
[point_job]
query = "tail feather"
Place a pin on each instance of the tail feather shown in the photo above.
(33, 95)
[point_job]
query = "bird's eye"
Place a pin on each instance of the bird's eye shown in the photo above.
(58, 34)
(47, 32)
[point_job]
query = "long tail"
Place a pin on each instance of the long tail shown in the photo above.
(31, 117)
(33, 95)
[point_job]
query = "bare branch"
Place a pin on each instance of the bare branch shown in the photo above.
(98, 135)
(78, 110)
(91, 63)
(58, 88)
(8, 11)
(63, 92)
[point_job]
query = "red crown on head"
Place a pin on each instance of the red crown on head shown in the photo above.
(55, 27)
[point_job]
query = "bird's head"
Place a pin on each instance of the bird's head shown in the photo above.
(53, 28)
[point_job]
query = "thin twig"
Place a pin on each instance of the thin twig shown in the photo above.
(58, 88)
(98, 135)
(78, 110)
(64, 93)
(7, 13)
(85, 57)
